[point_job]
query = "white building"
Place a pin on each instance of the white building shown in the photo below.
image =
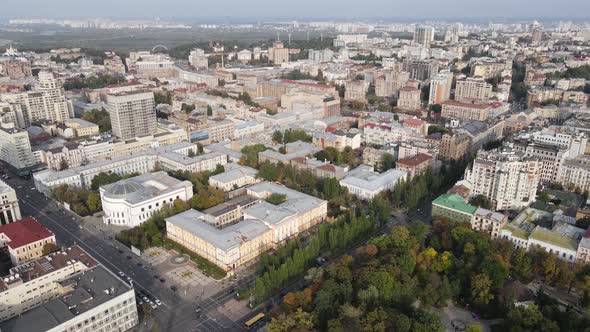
(235, 176)
(9, 208)
(132, 201)
(440, 88)
(556, 237)
(507, 178)
(133, 114)
(172, 157)
(66, 291)
(424, 35)
(473, 89)
(15, 147)
(365, 183)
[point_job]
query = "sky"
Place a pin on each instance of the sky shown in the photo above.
(301, 9)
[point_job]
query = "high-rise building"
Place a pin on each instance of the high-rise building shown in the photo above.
(473, 89)
(424, 35)
(15, 148)
(420, 70)
(409, 98)
(46, 102)
(440, 88)
(198, 59)
(507, 178)
(132, 114)
(9, 208)
(278, 54)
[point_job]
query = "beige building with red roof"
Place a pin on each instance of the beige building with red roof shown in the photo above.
(25, 239)
(415, 165)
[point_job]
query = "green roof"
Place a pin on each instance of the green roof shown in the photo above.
(454, 202)
(517, 232)
(559, 240)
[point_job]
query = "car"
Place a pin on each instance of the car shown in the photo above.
(121, 274)
(154, 306)
(162, 280)
(173, 288)
(139, 264)
(158, 302)
(145, 299)
(144, 268)
(198, 310)
(231, 290)
(156, 277)
(128, 257)
(120, 251)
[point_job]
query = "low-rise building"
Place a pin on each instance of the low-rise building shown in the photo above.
(452, 109)
(261, 226)
(489, 222)
(365, 183)
(414, 165)
(25, 239)
(131, 202)
(409, 99)
(453, 207)
(82, 127)
(235, 176)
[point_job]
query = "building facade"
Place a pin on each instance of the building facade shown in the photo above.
(132, 114)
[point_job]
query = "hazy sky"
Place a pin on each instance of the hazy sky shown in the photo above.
(297, 8)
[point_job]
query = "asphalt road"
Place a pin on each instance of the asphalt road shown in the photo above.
(175, 314)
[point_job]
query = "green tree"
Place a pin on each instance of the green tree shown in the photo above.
(297, 321)
(63, 164)
(276, 198)
(387, 162)
(93, 202)
(481, 289)
(277, 136)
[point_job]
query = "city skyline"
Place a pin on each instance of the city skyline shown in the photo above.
(264, 9)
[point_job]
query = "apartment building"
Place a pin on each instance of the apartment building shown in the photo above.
(25, 239)
(424, 35)
(66, 291)
(15, 69)
(338, 139)
(321, 169)
(452, 109)
(473, 89)
(15, 148)
(489, 222)
(278, 54)
(46, 102)
(509, 179)
(575, 173)
(219, 129)
(390, 82)
(420, 70)
(132, 114)
(131, 202)
(329, 104)
(454, 146)
(355, 91)
(198, 59)
(440, 88)
(550, 156)
(9, 207)
(409, 99)
(173, 157)
(414, 165)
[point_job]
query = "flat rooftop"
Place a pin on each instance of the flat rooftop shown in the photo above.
(88, 290)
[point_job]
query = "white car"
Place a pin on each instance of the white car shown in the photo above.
(121, 274)
(153, 305)
(158, 302)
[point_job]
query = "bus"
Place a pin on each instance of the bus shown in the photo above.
(254, 321)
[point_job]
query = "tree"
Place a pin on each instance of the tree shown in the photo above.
(387, 162)
(209, 110)
(206, 198)
(49, 248)
(276, 198)
(481, 201)
(93, 202)
(63, 164)
(297, 321)
(99, 117)
(191, 153)
(481, 289)
(277, 136)
(473, 327)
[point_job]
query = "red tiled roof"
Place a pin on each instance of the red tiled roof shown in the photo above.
(25, 231)
(330, 129)
(413, 122)
(414, 161)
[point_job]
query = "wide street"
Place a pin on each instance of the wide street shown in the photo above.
(175, 313)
